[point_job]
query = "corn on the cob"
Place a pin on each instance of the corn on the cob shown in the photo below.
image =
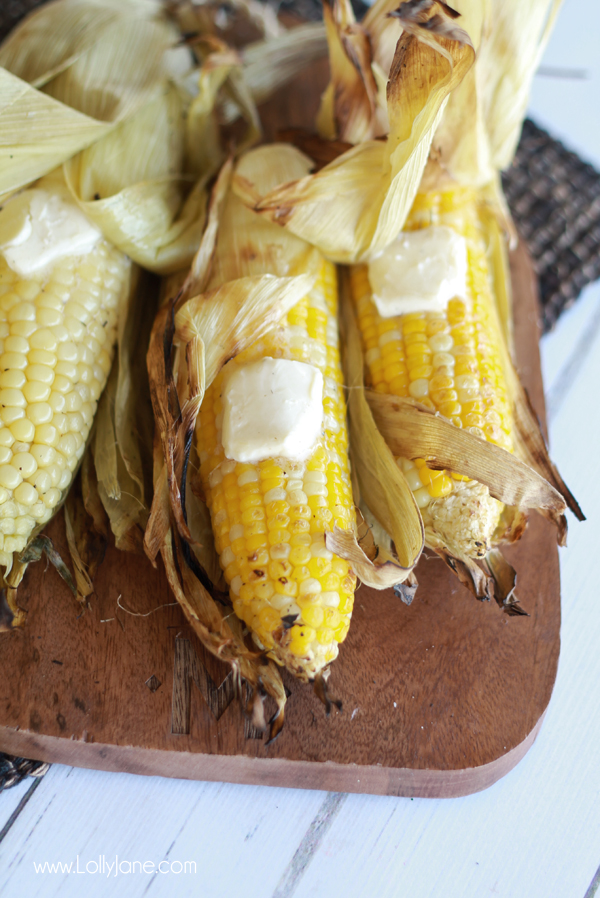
(57, 335)
(269, 518)
(450, 362)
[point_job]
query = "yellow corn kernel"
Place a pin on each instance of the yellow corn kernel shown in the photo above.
(301, 638)
(440, 486)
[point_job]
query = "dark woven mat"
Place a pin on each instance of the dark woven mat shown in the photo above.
(13, 770)
(554, 198)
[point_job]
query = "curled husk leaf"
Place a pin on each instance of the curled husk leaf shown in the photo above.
(414, 431)
(383, 487)
(356, 205)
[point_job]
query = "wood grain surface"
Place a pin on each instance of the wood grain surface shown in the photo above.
(441, 698)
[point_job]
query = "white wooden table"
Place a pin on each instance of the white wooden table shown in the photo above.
(535, 834)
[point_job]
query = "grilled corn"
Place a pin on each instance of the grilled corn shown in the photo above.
(269, 518)
(450, 362)
(57, 335)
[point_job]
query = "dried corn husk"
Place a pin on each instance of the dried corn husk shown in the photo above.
(383, 487)
(356, 205)
(481, 126)
(414, 431)
(383, 32)
(270, 64)
(123, 433)
(353, 107)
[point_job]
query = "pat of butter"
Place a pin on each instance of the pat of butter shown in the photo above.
(273, 407)
(421, 271)
(38, 228)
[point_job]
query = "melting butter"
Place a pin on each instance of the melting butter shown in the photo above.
(273, 407)
(421, 271)
(38, 228)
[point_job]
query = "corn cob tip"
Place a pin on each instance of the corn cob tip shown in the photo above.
(466, 520)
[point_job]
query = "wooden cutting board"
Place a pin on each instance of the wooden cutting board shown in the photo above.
(441, 698)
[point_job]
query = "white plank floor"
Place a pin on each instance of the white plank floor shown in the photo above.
(535, 834)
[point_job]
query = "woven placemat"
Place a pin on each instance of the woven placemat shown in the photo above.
(13, 770)
(554, 198)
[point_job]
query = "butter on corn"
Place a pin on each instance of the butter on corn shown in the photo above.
(57, 333)
(451, 362)
(269, 518)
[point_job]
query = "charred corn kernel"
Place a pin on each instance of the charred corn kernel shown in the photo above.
(454, 364)
(47, 368)
(295, 502)
(286, 587)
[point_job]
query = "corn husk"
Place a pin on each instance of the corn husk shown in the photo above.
(482, 123)
(70, 73)
(355, 205)
(87, 543)
(353, 107)
(414, 431)
(383, 487)
(271, 64)
(124, 425)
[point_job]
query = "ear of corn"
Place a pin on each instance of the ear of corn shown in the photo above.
(451, 362)
(269, 519)
(57, 336)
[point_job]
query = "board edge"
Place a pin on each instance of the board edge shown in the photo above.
(402, 782)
